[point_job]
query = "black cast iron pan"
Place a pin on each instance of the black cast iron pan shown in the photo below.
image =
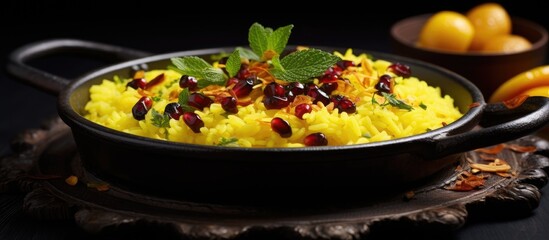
(219, 174)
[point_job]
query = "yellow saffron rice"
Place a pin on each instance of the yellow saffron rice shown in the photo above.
(111, 105)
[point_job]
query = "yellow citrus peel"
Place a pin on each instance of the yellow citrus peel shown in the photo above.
(534, 82)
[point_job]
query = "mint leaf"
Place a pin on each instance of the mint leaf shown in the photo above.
(183, 98)
(191, 65)
(257, 36)
(301, 66)
(396, 102)
(233, 63)
(160, 120)
(247, 53)
(279, 38)
(200, 69)
(276, 63)
(265, 40)
(212, 76)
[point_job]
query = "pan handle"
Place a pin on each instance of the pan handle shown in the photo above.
(504, 125)
(49, 82)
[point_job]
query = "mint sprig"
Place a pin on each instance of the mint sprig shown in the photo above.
(302, 66)
(233, 63)
(390, 99)
(200, 69)
(267, 43)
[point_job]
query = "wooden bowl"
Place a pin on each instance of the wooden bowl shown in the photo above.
(487, 70)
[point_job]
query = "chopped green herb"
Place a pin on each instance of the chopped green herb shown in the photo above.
(421, 105)
(228, 142)
(233, 63)
(156, 98)
(366, 135)
(170, 84)
(390, 99)
(301, 66)
(160, 120)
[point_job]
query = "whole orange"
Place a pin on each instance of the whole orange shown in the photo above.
(447, 30)
(489, 20)
(506, 44)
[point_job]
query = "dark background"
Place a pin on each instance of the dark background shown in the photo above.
(162, 26)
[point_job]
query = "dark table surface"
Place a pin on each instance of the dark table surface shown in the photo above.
(25, 107)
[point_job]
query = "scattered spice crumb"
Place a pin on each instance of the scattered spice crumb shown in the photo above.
(71, 180)
(504, 174)
(99, 186)
(521, 149)
(467, 183)
(515, 102)
(409, 195)
(492, 150)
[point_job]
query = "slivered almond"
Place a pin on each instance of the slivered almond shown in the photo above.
(504, 174)
(490, 168)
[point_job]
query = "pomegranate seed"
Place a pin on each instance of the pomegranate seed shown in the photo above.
(318, 95)
(315, 139)
(282, 127)
(384, 84)
(188, 82)
(335, 99)
(137, 83)
(275, 102)
(328, 78)
(231, 81)
(243, 87)
(346, 105)
(174, 110)
(229, 104)
(296, 88)
(274, 89)
(301, 109)
(141, 108)
(335, 70)
(193, 121)
(199, 100)
(400, 69)
(329, 87)
(345, 64)
(290, 96)
(243, 73)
